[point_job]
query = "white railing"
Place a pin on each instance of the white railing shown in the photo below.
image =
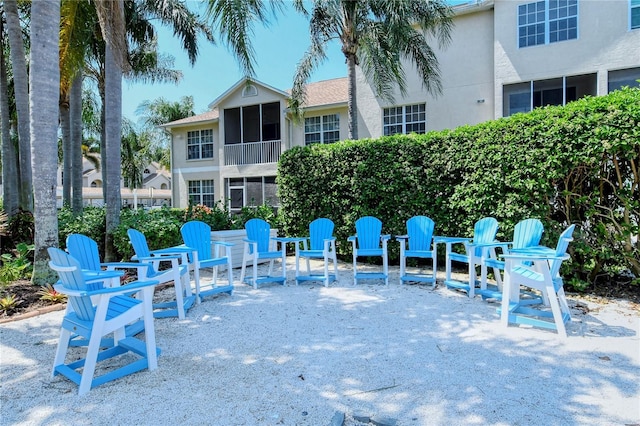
(252, 153)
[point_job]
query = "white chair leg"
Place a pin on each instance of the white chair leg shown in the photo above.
(326, 270)
(177, 284)
(244, 267)
(255, 271)
(557, 313)
(149, 330)
(63, 347)
(385, 268)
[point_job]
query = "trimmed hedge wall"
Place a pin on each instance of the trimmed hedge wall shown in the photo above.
(573, 164)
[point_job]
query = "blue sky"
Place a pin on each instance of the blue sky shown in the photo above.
(278, 48)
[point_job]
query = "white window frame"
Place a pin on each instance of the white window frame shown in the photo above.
(197, 138)
(323, 127)
(548, 20)
(199, 189)
(244, 188)
(404, 116)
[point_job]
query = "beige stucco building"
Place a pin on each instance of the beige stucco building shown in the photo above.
(505, 56)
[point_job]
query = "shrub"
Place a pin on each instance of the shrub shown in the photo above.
(17, 265)
(573, 164)
(91, 222)
(160, 226)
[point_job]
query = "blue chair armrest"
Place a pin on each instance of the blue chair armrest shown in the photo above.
(352, 238)
(128, 288)
(124, 265)
(385, 237)
(452, 240)
(402, 237)
(175, 250)
(535, 255)
(503, 244)
(157, 258)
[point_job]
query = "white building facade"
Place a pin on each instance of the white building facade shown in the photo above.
(505, 57)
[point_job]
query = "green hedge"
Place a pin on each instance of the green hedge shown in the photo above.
(161, 227)
(573, 164)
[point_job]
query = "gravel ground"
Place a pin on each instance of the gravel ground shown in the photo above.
(297, 355)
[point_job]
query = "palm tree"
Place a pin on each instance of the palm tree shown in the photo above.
(75, 112)
(234, 21)
(157, 112)
(134, 155)
(376, 35)
(9, 154)
(21, 92)
(44, 80)
(77, 26)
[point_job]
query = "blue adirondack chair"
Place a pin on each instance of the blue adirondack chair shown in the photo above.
(98, 274)
(418, 244)
(370, 242)
(527, 233)
(97, 313)
(197, 236)
(537, 268)
(321, 244)
(178, 273)
(475, 250)
(85, 251)
(259, 245)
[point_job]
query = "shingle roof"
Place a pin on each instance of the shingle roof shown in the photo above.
(212, 115)
(327, 92)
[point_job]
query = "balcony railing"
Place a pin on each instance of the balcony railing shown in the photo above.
(252, 153)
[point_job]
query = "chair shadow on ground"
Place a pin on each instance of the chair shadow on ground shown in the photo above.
(442, 360)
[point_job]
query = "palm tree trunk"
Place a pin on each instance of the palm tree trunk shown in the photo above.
(44, 93)
(113, 132)
(21, 91)
(9, 155)
(75, 109)
(352, 105)
(65, 127)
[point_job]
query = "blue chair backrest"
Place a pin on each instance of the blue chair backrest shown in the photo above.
(84, 250)
(141, 248)
(420, 232)
(527, 233)
(320, 230)
(368, 231)
(197, 235)
(259, 230)
(73, 279)
(561, 248)
(484, 231)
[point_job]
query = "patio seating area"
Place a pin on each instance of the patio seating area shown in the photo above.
(298, 354)
(100, 307)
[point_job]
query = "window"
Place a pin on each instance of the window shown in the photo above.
(324, 129)
(547, 21)
(251, 191)
(635, 14)
(621, 78)
(523, 97)
(405, 119)
(201, 192)
(200, 144)
(249, 90)
(252, 123)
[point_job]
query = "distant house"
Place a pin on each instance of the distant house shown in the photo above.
(505, 57)
(155, 191)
